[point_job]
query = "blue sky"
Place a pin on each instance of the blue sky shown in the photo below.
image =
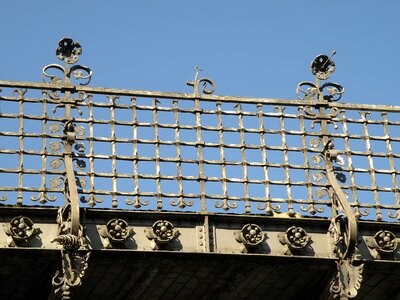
(249, 48)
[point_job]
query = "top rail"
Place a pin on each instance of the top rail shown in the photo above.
(170, 95)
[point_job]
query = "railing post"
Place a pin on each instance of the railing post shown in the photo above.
(343, 230)
(70, 235)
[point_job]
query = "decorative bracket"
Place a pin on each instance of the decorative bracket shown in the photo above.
(162, 232)
(294, 239)
(250, 236)
(343, 231)
(71, 190)
(196, 82)
(73, 269)
(20, 230)
(344, 225)
(115, 233)
(383, 244)
(347, 281)
(70, 231)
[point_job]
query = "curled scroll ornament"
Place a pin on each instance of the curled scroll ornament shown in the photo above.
(322, 67)
(208, 85)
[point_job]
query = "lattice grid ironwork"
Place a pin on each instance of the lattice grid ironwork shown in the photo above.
(197, 153)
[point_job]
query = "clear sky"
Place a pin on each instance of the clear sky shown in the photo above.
(249, 48)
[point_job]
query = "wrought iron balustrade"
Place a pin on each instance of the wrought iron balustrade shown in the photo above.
(73, 146)
(196, 152)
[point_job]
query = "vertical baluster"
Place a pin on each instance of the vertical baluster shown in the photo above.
(243, 157)
(267, 206)
(135, 155)
(371, 168)
(181, 202)
(44, 142)
(157, 153)
(289, 199)
(392, 165)
(225, 203)
(92, 201)
(21, 94)
(114, 199)
(311, 209)
(137, 202)
(353, 186)
(200, 157)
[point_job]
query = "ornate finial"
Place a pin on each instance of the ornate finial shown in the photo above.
(196, 72)
(322, 67)
(195, 83)
(68, 51)
(70, 232)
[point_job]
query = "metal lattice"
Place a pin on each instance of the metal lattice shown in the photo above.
(197, 152)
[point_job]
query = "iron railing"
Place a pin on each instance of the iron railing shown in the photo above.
(197, 152)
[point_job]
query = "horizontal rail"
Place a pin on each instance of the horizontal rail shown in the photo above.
(172, 95)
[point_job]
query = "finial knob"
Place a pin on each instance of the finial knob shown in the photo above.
(323, 66)
(68, 50)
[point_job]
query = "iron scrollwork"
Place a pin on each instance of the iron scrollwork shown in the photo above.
(181, 202)
(340, 205)
(69, 52)
(43, 198)
(225, 204)
(196, 82)
(74, 266)
(343, 232)
(343, 229)
(322, 67)
(348, 280)
(318, 176)
(74, 260)
(137, 202)
(311, 90)
(70, 232)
